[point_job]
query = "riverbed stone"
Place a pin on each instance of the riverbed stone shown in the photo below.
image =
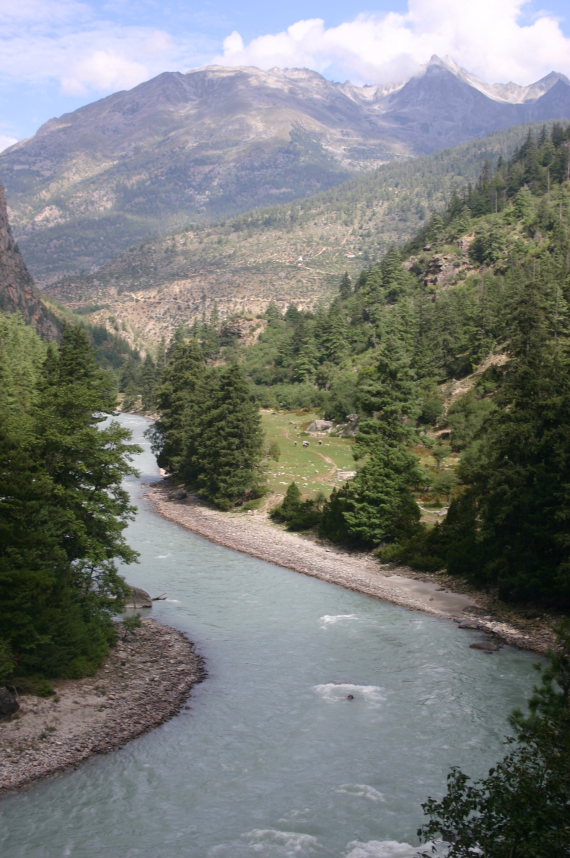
(485, 646)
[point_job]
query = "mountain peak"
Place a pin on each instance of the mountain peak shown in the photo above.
(217, 141)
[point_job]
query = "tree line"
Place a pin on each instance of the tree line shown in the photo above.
(384, 349)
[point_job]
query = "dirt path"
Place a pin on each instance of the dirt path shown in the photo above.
(328, 461)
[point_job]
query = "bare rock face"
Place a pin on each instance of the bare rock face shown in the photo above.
(17, 290)
(8, 703)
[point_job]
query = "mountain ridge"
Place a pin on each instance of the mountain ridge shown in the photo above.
(289, 254)
(213, 143)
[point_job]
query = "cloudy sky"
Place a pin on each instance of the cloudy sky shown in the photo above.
(56, 55)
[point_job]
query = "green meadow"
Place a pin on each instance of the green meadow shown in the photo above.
(317, 468)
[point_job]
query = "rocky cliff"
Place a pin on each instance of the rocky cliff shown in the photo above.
(17, 291)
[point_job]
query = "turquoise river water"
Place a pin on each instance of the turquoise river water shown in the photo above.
(270, 758)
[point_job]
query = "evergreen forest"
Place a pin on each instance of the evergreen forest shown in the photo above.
(453, 350)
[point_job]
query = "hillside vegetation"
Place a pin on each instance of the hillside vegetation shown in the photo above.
(456, 346)
(292, 253)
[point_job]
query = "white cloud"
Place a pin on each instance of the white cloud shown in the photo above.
(63, 41)
(6, 141)
(102, 70)
(88, 48)
(488, 37)
(38, 10)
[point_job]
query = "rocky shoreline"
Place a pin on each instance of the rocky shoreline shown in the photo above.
(253, 533)
(145, 680)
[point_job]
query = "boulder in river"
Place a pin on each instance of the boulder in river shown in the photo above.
(469, 624)
(138, 599)
(485, 646)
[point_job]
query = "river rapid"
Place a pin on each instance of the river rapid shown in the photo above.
(271, 757)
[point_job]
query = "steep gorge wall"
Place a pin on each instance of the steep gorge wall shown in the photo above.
(18, 293)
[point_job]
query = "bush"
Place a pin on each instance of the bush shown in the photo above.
(132, 623)
(420, 551)
(296, 513)
(290, 505)
(467, 417)
(39, 686)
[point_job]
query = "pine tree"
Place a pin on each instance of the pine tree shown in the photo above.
(345, 288)
(176, 397)
(228, 441)
(149, 384)
(85, 461)
(58, 580)
(387, 395)
(378, 504)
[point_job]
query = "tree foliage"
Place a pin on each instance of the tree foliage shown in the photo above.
(209, 429)
(522, 808)
(62, 514)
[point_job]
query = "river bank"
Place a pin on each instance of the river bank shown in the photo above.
(253, 533)
(144, 681)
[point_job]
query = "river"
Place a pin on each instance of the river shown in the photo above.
(270, 757)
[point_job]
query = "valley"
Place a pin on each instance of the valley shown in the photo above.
(288, 254)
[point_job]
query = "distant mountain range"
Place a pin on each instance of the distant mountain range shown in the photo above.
(295, 253)
(200, 147)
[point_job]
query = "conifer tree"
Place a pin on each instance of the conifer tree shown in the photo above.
(176, 396)
(228, 441)
(377, 505)
(63, 511)
(345, 288)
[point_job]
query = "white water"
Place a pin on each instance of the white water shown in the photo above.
(271, 758)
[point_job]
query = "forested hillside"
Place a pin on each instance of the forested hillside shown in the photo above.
(292, 253)
(62, 506)
(452, 356)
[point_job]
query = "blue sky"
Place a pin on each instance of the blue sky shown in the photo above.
(56, 55)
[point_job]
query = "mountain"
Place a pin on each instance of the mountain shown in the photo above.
(294, 253)
(194, 148)
(18, 293)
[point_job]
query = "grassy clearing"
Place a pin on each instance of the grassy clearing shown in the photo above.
(322, 467)
(314, 468)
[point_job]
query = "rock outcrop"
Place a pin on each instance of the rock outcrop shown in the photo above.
(18, 293)
(8, 703)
